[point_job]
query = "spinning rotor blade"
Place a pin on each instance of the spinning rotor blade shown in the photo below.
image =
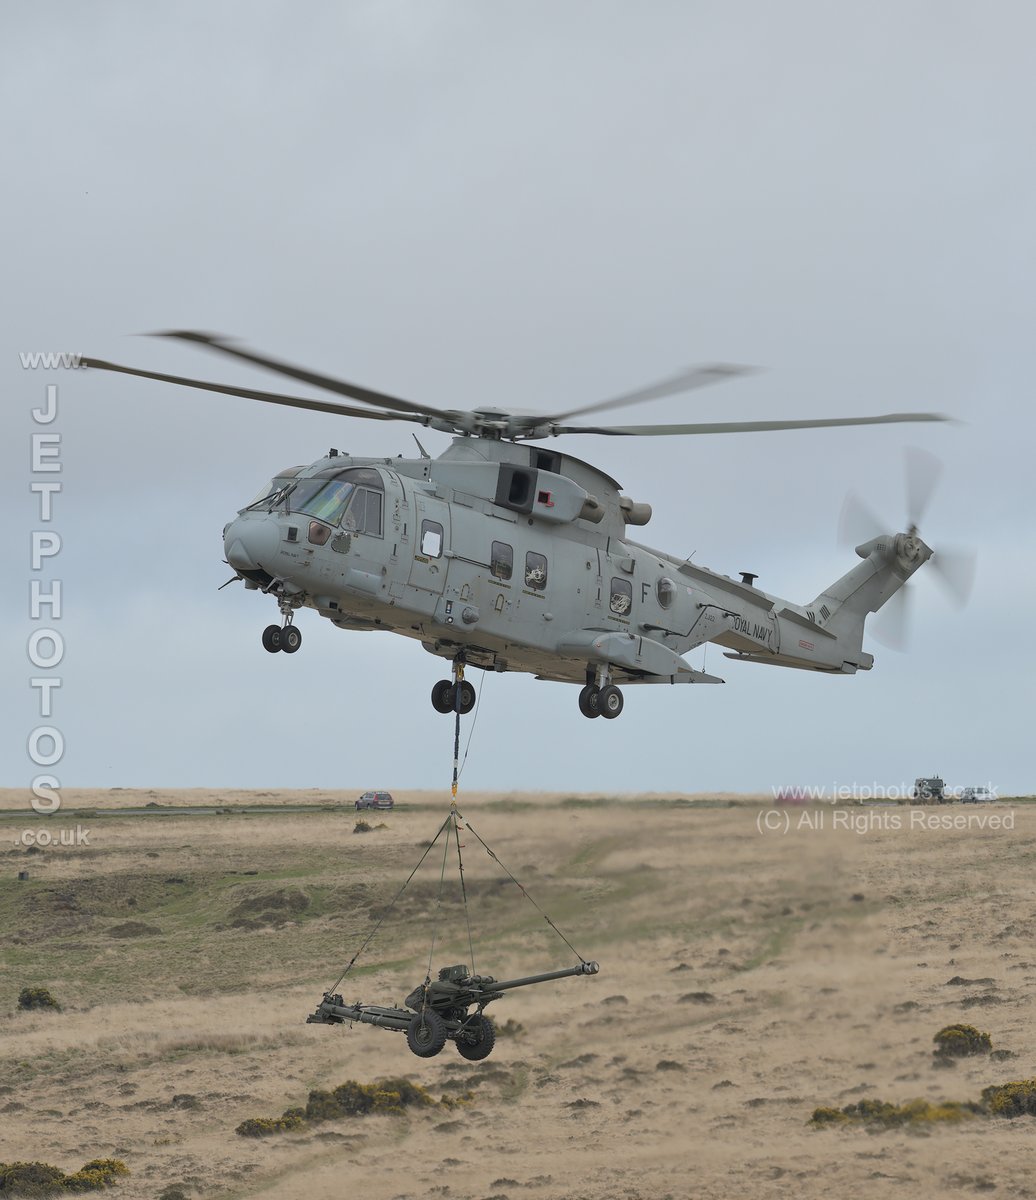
(857, 523)
(891, 625)
(743, 426)
(684, 381)
(955, 570)
(313, 378)
(326, 406)
(923, 471)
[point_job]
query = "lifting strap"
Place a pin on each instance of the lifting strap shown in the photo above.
(453, 823)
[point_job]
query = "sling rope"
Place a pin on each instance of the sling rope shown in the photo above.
(454, 821)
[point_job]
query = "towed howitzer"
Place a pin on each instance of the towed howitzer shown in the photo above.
(448, 1008)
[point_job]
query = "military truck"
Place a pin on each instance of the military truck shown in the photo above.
(930, 790)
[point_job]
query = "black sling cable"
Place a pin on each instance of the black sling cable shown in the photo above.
(492, 854)
(381, 919)
(463, 888)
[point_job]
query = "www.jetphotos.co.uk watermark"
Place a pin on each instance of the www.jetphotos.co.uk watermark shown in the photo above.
(46, 645)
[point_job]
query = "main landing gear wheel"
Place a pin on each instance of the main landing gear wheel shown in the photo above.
(291, 639)
(478, 1043)
(426, 1034)
(588, 701)
(272, 638)
(610, 702)
(444, 697)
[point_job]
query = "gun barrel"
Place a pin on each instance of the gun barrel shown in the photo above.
(584, 968)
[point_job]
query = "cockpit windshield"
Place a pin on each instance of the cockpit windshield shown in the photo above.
(325, 499)
(273, 489)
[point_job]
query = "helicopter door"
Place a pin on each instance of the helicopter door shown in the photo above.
(428, 570)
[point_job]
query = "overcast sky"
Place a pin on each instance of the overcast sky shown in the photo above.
(525, 205)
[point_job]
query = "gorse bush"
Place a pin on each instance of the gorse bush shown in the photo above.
(960, 1041)
(349, 1099)
(37, 998)
(41, 1179)
(1011, 1099)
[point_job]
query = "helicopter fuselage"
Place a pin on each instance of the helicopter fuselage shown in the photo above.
(508, 557)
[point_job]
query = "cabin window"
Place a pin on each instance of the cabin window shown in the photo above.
(665, 590)
(501, 561)
(431, 539)
(622, 597)
(535, 571)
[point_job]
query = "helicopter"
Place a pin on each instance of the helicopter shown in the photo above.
(504, 555)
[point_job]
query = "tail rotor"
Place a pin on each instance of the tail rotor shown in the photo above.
(953, 567)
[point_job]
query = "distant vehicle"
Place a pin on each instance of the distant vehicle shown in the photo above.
(977, 795)
(375, 800)
(929, 791)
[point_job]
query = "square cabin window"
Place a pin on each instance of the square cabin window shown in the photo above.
(501, 561)
(621, 597)
(431, 539)
(535, 572)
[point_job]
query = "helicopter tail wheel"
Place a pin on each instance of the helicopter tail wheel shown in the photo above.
(467, 698)
(272, 639)
(291, 639)
(609, 702)
(443, 696)
(588, 701)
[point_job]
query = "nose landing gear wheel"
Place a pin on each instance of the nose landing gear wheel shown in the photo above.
(610, 702)
(589, 698)
(272, 638)
(426, 1034)
(291, 639)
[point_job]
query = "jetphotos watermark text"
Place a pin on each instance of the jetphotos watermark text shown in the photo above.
(46, 646)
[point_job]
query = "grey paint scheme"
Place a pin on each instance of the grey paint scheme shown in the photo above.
(455, 606)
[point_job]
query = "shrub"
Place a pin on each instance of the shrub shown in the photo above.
(883, 1115)
(265, 1126)
(37, 997)
(1011, 1099)
(41, 1179)
(959, 1041)
(322, 1106)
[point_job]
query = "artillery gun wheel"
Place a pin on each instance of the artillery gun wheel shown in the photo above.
(610, 702)
(442, 696)
(291, 639)
(479, 1043)
(426, 1034)
(588, 698)
(272, 638)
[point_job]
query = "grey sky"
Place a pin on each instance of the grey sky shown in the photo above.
(530, 205)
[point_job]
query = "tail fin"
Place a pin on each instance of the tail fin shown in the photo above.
(888, 562)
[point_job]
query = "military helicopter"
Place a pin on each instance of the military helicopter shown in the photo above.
(507, 556)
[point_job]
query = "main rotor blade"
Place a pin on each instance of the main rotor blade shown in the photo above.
(326, 406)
(955, 570)
(313, 378)
(743, 426)
(922, 475)
(685, 381)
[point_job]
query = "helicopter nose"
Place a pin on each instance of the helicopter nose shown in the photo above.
(251, 543)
